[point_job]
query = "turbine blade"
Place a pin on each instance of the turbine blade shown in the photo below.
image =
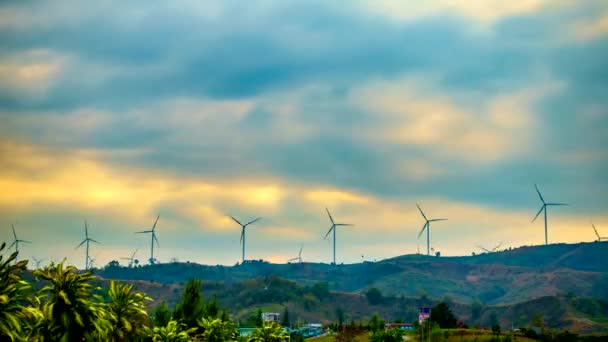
(596, 233)
(557, 204)
(344, 224)
(422, 230)
(155, 239)
(330, 218)
(144, 232)
(82, 243)
(12, 244)
(94, 241)
(14, 233)
(133, 255)
(24, 241)
(235, 220)
(86, 229)
(421, 212)
(441, 219)
(539, 194)
(253, 221)
(540, 211)
(242, 234)
(497, 246)
(155, 222)
(329, 231)
(300, 252)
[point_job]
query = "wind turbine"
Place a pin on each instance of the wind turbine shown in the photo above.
(38, 261)
(16, 240)
(243, 228)
(427, 226)
(86, 240)
(153, 238)
(599, 238)
(132, 258)
(299, 257)
(333, 228)
(544, 208)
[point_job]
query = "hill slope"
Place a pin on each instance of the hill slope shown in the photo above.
(494, 278)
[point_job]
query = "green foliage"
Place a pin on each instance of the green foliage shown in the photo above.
(191, 306)
(216, 330)
(161, 315)
(13, 293)
(392, 335)
(127, 310)
(374, 296)
(375, 324)
(285, 319)
(442, 315)
(496, 329)
(269, 332)
(172, 332)
(70, 309)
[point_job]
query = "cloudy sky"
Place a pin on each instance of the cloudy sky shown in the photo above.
(116, 112)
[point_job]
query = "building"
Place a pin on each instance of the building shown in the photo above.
(271, 317)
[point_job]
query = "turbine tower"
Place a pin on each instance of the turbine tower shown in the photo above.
(427, 226)
(153, 238)
(86, 240)
(544, 208)
(16, 241)
(299, 257)
(333, 228)
(599, 238)
(243, 228)
(131, 258)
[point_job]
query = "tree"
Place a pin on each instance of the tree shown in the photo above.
(71, 312)
(216, 330)
(285, 320)
(374, 296)
(269, 332)
(161, 315)
(13, 293)
(442, 315)
(496, 329)
(258, 319)
(191, 307)
(392, 335)
(375, 324)
(127, 310)
(340, 316)
(172, 332)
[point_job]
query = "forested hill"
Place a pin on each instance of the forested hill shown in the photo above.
(503, 277)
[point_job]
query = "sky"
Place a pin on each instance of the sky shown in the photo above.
(116, 112)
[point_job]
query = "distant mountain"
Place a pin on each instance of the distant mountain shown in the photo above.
(504, 277)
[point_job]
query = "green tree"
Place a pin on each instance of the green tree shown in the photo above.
(172, 332)
(216, 330)
(442, 315)
(374, 296)
(127, 311)
(13, 294)
(340, 316)
(285, 320)
(496, 329)
(269, 332)
(375, 324)
(161, 315)
(392, 335)
(191, 306)
(70, 309)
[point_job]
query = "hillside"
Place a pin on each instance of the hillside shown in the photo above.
(505, 277)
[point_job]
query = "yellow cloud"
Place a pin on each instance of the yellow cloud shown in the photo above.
(31, 71)
(483, 11)
(334, 197)
(412, 111)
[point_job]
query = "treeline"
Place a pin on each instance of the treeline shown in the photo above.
(65, 305)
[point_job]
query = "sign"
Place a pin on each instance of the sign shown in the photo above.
(423, 314)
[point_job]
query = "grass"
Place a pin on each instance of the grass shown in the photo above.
(468, 336)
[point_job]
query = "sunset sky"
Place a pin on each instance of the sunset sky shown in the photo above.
(118, 111)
